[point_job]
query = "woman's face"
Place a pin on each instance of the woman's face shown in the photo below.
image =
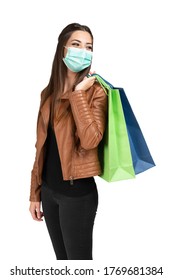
(79, 39)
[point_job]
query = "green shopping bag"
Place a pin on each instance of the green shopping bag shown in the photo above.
(114, 150)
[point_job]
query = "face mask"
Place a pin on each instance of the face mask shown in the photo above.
(77, 59)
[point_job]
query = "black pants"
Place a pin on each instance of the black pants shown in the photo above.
(70, 223)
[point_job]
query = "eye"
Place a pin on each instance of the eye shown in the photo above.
(89, 48)
(76, 45)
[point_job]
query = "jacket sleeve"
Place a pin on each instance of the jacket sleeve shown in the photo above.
(35, 188)
(90, 119)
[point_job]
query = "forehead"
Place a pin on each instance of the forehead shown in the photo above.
(82, 36)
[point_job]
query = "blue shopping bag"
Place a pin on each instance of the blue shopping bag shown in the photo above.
(142, 159)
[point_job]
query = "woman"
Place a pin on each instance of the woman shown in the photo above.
(70, 126)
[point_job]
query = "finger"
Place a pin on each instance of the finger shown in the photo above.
(39, 215)
(92, 72)
(36, 215)
(92, 78)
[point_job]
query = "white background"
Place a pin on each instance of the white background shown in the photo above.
(132, 49)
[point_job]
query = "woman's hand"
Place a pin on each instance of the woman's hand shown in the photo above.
(86, 83)
(35, 211)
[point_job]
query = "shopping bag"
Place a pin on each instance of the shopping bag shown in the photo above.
(141, 156)
(142, 159)
(114, 150)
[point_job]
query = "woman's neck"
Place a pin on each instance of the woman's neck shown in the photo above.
(70, 80)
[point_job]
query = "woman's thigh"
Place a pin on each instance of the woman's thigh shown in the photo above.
(51, 215)
(77, 215)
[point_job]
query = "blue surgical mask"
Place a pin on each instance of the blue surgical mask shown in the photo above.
(77, 59)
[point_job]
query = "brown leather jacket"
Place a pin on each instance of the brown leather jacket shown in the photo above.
(79, 126)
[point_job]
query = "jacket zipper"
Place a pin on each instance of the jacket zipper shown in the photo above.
(71, 181)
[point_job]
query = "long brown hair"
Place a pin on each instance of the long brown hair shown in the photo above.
(56, 83)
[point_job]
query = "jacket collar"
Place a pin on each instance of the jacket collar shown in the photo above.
(45, 109)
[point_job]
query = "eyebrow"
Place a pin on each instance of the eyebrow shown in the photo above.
(76, 40)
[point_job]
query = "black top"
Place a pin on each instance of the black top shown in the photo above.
(52, 172)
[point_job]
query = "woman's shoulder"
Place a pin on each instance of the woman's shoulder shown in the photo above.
(97, 94)
(44, 96)
(98, 90)
(43, 93)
